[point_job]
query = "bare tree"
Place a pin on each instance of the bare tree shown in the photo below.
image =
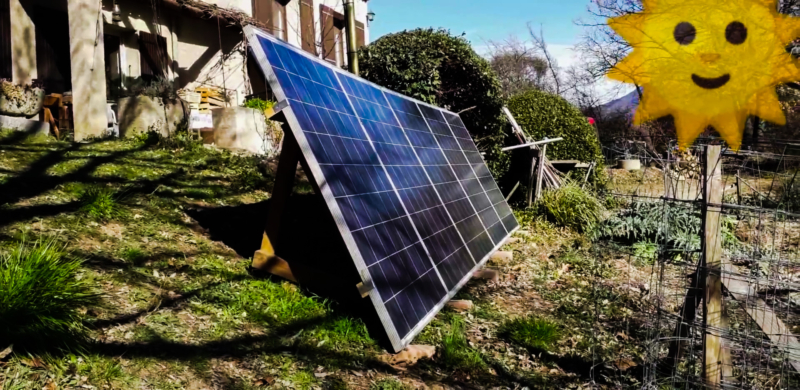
(540, 47)
(517, 65)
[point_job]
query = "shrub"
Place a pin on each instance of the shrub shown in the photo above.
(40, 295)
(572, 206)
(389, 384)
(541, 114)
(442, 69)
(456, 352)
(532, 332)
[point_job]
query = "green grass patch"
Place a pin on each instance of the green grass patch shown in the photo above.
(456, 352)
(388, 384)
(532, 332)
(100, 203)
(41, 291)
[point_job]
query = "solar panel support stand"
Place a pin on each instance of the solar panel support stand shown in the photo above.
(266, 259)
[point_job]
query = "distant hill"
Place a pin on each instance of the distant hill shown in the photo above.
(625, 104)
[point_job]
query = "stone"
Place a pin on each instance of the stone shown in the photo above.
(140, 114)
(32, 127)
(244, 129)
(487, 274)
(460, 305)
(502, 257)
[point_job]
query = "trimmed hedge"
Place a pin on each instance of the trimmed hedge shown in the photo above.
(442, 69)
(541, 114)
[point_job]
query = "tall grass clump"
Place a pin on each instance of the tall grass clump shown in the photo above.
(100, 203)
(41, 293)
(456, 352)
(532, 332)
(573, 207)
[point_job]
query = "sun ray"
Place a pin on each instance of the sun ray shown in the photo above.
(766, 106)
(630, 70)
(730, 127)
(629, 27)
(688, 127)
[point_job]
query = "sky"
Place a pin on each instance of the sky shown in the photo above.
(494, 20)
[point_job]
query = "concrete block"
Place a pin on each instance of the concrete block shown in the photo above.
(140, 114)
(460, 305)
(244, 129)
(487, 274)
(32, 127)
(502, 257)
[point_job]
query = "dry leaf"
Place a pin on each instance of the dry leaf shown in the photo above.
(50, 385)
(266, 381)
(4, 353)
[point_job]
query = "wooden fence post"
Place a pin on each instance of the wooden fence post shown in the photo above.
(532, 177)
(716, 356)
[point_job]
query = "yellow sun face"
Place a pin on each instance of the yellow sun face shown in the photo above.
(708, 62)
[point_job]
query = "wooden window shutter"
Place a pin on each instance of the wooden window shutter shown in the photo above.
(263, 11)
(360, 35)
(5, 40)
(152, 54)
(307, 34)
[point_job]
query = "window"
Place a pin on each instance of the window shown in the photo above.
(333, 46)
(273, 14)
(153, 55)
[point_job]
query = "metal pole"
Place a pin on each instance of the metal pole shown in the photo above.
(352, 53)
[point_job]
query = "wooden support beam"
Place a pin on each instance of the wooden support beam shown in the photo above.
(540, 170)
(716, 355)
(265, 259)
(532, 176)
(739, 287)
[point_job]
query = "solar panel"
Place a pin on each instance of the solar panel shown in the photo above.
(414, 200)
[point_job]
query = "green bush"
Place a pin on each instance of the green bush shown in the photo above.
(40, 295)
(541, 115)
(442, 69)
(259, 104)
(572, 206)
(532, 332)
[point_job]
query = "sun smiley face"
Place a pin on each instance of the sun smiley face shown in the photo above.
(707, 62)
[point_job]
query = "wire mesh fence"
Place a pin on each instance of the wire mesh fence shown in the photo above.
(744, 337)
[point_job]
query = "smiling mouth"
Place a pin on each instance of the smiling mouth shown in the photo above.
(714, 83)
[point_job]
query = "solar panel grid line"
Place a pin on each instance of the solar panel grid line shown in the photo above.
(402, 202)
(344, 117)
(456, 175)
(327, 194)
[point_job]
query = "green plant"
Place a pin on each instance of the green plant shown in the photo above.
(456, 352)
(532, 332)
(442, 69)
(100, 202)
(541, 115)
(41, 292)
(572, 206)
(134, 255)
(388, 384)
(259, 104)
(646, 251)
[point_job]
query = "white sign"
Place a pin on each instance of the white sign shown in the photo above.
(199, 120)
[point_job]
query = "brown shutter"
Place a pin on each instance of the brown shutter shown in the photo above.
(152, 54)
(262, 11)
(307, 36)
(5, 40)
(332, 34)
(360, 36)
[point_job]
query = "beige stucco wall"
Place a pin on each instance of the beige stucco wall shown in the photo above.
(88, 70)
(23, 44)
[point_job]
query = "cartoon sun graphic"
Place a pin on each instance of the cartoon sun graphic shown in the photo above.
(708, 63)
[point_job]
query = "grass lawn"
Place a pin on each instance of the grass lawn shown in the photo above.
(165, 230)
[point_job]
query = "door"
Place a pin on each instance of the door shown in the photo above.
(53, 62)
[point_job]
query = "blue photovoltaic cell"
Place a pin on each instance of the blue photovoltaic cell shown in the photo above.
(409, 184)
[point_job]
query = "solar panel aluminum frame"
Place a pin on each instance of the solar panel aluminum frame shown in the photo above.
(398, 343)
